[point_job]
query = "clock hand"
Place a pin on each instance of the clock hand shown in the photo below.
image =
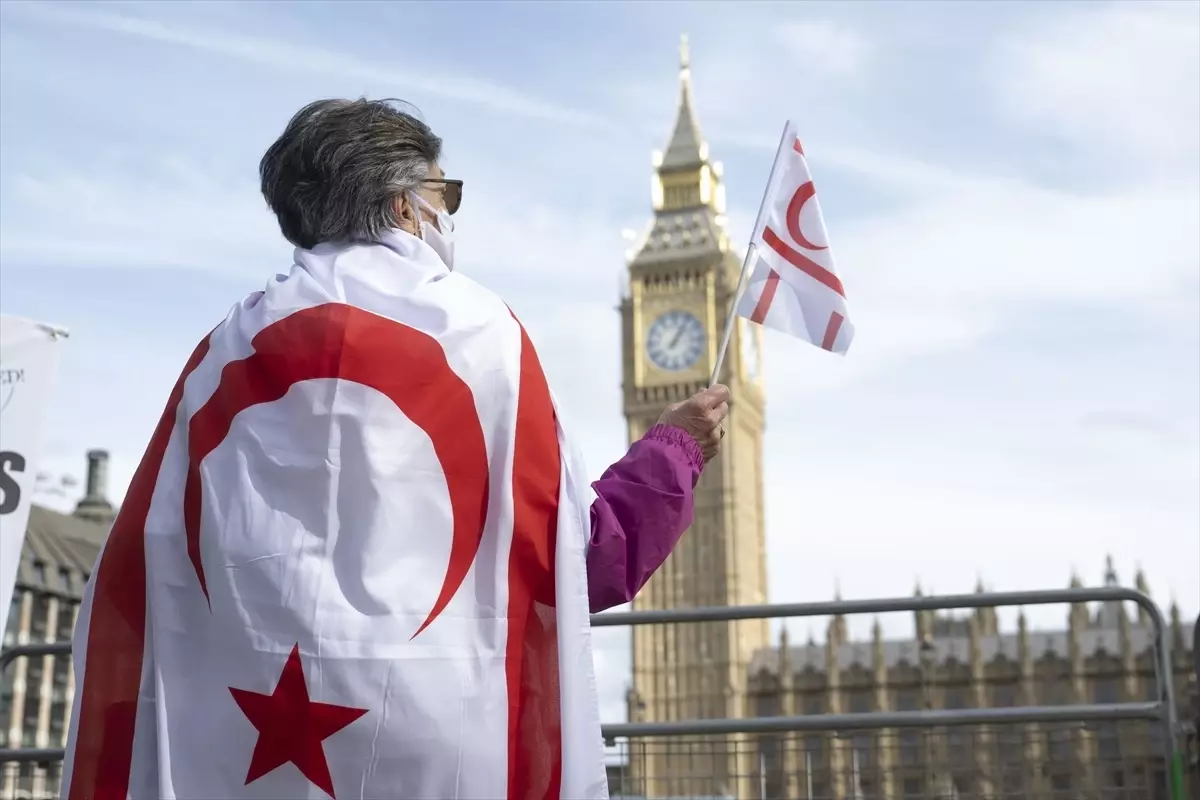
(675, 339)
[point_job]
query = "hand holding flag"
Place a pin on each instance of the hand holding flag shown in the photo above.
(703, 416)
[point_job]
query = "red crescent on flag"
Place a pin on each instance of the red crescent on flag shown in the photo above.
(805, 193)
(405, 365)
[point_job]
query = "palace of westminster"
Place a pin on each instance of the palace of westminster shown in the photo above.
(683, 277)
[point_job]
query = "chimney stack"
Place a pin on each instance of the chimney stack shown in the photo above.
(97, 474)
(94, 506)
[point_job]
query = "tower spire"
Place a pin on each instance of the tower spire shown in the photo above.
(685, 74)
(686, 147)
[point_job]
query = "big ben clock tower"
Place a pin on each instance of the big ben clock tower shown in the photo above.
(681, 285)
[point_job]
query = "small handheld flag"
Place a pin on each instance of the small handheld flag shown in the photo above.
(789, 281)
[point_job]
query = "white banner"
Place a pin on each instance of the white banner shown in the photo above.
(28, 368)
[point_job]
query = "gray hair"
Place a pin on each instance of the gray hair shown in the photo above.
(335, 172)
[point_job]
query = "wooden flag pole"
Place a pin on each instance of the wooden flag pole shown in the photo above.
(748, 262)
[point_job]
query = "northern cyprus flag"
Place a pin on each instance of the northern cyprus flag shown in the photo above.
(793, 284)
(351, 563)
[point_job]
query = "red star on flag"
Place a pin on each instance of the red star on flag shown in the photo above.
(291, 727)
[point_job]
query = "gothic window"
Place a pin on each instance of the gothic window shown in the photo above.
(60, 697)
(815, 745)
(766, 705)
(910, 747)
(1005, 693)
(12, 626)
(6, 700)
(25, 778)
(1010, 744)
(38, 620)
(1059, 745)
(53, 780)
(1150, 694)
(1104, 691)
(1061, 783)
(1013, 780)
(960, 745)
(860, 701)
(909, 699)
(65, 624)
(863, 746)
(1159, 784)
(33, 700)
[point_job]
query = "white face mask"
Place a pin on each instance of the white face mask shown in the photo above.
(440, 237)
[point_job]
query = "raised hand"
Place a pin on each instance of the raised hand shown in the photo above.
(703, 416)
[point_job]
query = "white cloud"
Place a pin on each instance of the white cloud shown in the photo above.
(1125, 77)
(170, 213)
(313, 59)
(824, 46)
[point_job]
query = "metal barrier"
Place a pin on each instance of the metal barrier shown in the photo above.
(707, 742)
(812, 732)
(1012, 761)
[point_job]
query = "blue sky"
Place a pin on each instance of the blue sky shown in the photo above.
(1012, 191)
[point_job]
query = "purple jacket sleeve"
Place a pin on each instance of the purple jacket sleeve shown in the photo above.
(643, 504)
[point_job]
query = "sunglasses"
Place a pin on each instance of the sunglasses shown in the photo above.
(452, 193)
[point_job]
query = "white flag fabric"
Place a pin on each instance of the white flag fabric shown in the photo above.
(351, 562)
(28, 368)
(793, 285)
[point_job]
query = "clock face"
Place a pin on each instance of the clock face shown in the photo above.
(675, 341)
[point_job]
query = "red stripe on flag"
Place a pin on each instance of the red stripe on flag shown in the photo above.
(798, 147)
(831, 330)
(802, 262)
(406, 365)
(531, 659)
(763, 305)
(112, 667)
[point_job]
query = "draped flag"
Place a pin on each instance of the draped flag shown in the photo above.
(793, 285)
(351, 562)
